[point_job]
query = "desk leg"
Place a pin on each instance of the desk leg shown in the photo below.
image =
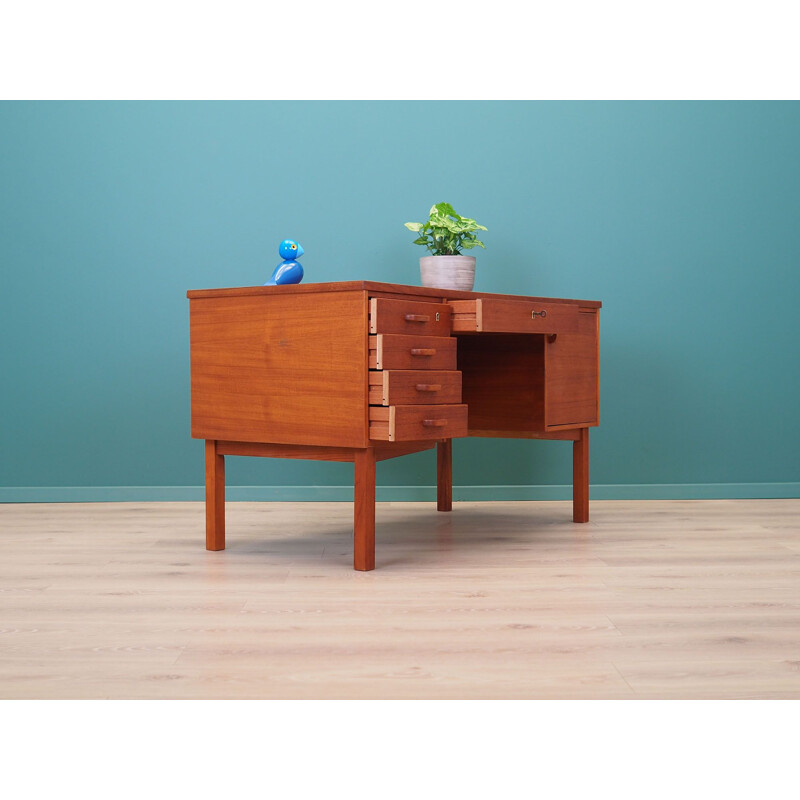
(364, 510)
(215, 497)
(444, 475)
(580, 477)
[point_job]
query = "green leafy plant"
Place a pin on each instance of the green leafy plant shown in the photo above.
(447, 233)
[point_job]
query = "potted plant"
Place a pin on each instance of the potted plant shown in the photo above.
(446, 234)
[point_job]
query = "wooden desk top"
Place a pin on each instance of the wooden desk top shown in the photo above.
(375, 287)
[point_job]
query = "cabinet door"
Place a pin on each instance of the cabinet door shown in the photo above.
(572, 375)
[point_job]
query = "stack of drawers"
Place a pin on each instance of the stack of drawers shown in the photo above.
(414, 386)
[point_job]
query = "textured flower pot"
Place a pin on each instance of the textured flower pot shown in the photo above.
(448, 272)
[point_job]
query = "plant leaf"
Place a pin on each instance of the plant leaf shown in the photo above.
(446, 232)
(446, 223)
(471, 225)
(442, 208)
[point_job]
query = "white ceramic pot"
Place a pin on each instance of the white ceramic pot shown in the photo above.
(448, 272)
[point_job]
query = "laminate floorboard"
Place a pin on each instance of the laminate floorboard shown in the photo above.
(651, 599)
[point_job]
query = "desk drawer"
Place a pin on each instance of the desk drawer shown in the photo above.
(491, 315)
(411, 386)
(408, 317)
(415, 423)
(396, 351)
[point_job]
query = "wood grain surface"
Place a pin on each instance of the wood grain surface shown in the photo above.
(364, 510)
(401, 387)
(280, 368)
(215, 497)
(398, 351)
(580, 477)
(444, 475)
(499, 315)
(417, 423)
(409, 317)
(375, 289)
(572, 374)
(652, 599)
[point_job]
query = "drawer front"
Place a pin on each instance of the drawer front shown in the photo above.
(412, 386)
(513, 316)
(396, 351)
(409, 317)
(416, 423)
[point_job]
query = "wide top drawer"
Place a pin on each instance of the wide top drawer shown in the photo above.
(408, 317)
(498, 315)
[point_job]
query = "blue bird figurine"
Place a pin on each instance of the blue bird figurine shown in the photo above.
(289, 270)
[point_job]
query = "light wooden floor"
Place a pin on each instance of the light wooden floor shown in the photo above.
(677, 599)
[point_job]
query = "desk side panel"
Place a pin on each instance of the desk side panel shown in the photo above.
(285, 369)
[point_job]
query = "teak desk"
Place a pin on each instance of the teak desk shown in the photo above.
(364, 371)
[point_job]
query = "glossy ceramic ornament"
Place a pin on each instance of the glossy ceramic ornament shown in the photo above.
(289, 270)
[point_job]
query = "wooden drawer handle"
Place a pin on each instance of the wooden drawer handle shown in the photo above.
(417, 318)
(434, 423)
(423, 351)
(429, 387)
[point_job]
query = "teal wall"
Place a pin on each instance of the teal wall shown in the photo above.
(683, 218)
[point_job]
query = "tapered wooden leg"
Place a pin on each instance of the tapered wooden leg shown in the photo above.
(580, 477)
(364, 516)
(215, 497)
(444, 475)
